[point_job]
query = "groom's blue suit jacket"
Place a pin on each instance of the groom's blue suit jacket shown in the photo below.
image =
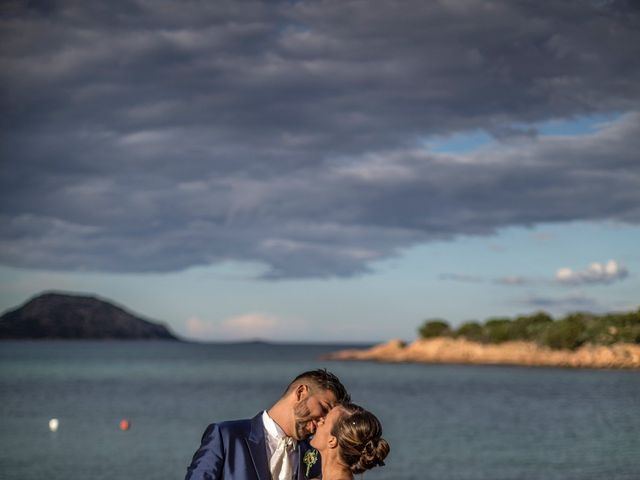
(236, 450)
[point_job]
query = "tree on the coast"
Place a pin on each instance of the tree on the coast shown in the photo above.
(472, 331)
(565, 334)
(435, 327)
(569, 332)
(529, 327)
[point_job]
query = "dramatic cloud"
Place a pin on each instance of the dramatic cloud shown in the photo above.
(143, 136)
(596, 273)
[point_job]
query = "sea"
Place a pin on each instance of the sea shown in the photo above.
(456, 422)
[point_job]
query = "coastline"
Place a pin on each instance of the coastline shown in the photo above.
(461, 351)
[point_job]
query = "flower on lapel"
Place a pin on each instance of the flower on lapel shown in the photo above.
(310, 458)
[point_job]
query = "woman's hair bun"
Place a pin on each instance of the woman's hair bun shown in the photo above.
(373, 455)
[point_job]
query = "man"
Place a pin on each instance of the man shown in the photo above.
(271, 445)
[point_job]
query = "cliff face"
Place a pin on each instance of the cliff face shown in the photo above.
(450, 350)
(54, 315)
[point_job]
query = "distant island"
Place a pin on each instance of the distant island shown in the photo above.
(66, 316)
(579, 340)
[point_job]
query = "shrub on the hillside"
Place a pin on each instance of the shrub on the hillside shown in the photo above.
(530, 327)
(435, 328)
(497, 330)
(472, 331)
(617, 327)
(568, 333)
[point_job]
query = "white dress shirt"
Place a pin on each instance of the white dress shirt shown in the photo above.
(272, 434)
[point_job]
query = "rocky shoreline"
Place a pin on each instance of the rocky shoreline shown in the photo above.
(461, 351)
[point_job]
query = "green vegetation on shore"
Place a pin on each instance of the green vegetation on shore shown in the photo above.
(568, 332)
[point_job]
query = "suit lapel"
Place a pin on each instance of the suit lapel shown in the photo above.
(300, 468)
(258, 449)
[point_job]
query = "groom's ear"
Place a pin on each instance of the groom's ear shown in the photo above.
(302, 391)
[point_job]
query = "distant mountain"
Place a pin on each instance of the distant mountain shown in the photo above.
(55, 315)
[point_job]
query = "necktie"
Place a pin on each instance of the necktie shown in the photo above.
(280, 464)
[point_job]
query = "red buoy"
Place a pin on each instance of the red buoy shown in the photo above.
(124, 424)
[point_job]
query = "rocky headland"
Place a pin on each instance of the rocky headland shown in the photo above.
(462, 351)
(65, 316)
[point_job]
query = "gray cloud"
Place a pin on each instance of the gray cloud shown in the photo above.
(516, 280)
(568, 303)
(154, 136)
(460, 277)
(597, 272)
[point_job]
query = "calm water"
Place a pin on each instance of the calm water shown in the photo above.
(443, 422)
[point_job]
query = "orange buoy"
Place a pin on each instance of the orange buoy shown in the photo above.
(124, 424)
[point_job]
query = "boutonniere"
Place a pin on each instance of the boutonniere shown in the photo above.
(310, 458)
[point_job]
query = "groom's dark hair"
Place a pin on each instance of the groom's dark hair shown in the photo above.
(321, 379)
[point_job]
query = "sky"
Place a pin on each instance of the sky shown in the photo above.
(330, 171)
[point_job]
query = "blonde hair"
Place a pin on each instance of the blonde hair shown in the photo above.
(359, 435)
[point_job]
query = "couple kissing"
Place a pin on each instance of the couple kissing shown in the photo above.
(345, 440)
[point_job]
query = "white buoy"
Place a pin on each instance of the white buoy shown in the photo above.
(53, 424)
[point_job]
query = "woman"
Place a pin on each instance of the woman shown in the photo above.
(349, 441)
